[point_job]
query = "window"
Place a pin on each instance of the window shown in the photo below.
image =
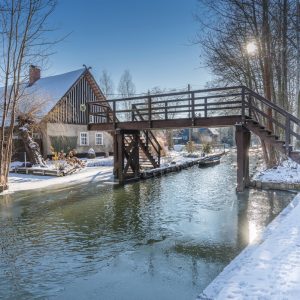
(84, 139)
(91, 119)
(98, 138)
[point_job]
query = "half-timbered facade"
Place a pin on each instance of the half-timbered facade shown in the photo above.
(62, 104)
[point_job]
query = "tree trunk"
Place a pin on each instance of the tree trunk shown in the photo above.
(32, 148)
(267, 74)
(298, 70)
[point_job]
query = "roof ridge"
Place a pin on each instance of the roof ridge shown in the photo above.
(77, 70)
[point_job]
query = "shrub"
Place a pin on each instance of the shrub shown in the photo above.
(63, 143)
(206, 148)
(190, 147)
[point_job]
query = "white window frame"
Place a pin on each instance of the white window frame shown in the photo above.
(87, 138)
(102, 140)
(91, 119)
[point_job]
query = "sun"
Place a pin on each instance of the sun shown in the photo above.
(251, 48)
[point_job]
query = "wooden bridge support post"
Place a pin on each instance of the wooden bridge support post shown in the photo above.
(126, 150)
(118, 154)
(242, 137)
(136, 155)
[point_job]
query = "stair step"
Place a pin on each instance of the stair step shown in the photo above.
(266, 131)
(254, 122)
(295, 156)
(276, 137)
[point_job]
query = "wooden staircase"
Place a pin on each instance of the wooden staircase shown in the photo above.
(269, 138)
(149, 149)
(266, 135)
(149, 155)
(256, 120)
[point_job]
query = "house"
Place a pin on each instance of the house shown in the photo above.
(198, 135)
(60, 102)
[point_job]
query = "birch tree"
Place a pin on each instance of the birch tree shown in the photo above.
(106, 84)
(126, 89)
(23, 41)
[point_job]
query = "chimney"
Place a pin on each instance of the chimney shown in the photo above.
(34, 74)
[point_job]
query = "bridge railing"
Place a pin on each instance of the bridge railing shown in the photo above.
(228, 101)
(179, 105)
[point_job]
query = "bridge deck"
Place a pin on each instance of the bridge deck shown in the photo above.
(220, 121)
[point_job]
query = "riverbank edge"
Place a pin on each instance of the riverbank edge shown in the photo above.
(176, 167)
(284, 186)
(212, 291)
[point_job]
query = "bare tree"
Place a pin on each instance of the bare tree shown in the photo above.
(126, 86)
(126, 89)
(270, 26)
(23, 42)
(106, 84)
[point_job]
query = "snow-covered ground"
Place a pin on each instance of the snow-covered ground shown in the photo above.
(287, 172)
(21, 182)
(268, 268)
(98, 169)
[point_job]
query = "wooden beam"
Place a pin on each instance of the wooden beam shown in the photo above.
(242, 137)
(222, 121)
(120, 145)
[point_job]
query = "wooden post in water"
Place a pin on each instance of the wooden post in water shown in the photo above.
(136, 155)
(126, 154)
(242, 138)
(118, 155)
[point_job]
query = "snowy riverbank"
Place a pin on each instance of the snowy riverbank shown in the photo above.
(267, 269)
(22, 182)
(96, 170)
(287, 172)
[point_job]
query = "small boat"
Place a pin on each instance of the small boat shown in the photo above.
(209, 161)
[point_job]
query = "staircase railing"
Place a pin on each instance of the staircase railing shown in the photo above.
(148, 134)
(270, 114)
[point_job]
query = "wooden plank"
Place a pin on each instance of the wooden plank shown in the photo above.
(180, 93)
(221, 121)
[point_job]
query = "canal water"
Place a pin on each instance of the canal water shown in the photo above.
(164, 238)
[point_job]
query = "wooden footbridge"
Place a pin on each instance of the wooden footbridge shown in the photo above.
(132, 120)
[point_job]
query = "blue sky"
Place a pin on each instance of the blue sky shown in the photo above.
(150, 38)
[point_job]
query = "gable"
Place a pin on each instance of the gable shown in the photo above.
(45, 93)
(68, 109)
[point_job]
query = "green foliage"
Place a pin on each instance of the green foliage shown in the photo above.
(190, 147)
(63, 143)
(206, 148)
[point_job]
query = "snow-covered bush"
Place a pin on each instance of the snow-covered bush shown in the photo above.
(91, 153)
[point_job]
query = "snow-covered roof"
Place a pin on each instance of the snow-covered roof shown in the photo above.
(47, 91)
(44, 94)
(214, 131)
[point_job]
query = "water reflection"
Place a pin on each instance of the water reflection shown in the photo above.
(165, 238)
